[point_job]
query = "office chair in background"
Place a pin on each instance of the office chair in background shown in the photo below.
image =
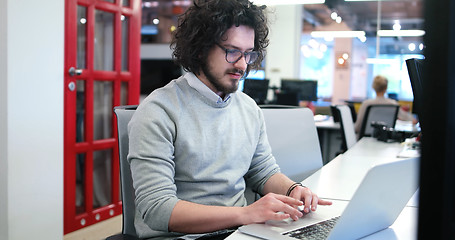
(353, 112)
(292, 134)
(348, 136)
(294, 140)
(336, 117)
(124, 114)
(386, 113)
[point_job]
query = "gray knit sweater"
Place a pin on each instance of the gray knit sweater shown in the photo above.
(185, 147)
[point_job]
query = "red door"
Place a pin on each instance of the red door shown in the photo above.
(102, 70)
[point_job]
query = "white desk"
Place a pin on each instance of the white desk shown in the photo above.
(371, 147)
(339, 179)
(326, 122)
(330, 136)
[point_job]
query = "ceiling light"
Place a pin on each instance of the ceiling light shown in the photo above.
(286, 2)
(150, 4)
(338, 19)
(323, 47)
(313, 43)
(181, 3)
(401, 33)
(334, 15)
(341, 61)
(338, 34)
(412, 47)
(396, 26)
(421, 46)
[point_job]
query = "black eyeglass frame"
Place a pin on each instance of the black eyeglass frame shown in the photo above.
(251, 55)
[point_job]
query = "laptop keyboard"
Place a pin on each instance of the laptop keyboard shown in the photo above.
(318, 230)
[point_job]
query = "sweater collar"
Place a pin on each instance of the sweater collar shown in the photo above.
(199, 86)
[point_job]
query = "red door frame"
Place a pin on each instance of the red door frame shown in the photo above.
(73, 221)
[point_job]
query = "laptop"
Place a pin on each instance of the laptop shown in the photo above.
(376, 204)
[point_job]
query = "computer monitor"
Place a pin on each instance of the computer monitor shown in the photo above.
(156, 73)
(306, 90)
(256, 89)
(415, 71)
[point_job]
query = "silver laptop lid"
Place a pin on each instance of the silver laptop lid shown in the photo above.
(379, 199)
(376, 204)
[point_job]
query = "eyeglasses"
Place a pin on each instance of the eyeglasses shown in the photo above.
(234, 55)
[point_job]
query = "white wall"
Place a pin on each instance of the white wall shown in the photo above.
(341, 76)
(31, 119)
(283, 53)
(3, 127)
(359, 70)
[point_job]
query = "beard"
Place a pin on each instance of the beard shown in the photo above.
(216, 81)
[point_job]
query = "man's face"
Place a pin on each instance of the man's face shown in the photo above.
(219, 75)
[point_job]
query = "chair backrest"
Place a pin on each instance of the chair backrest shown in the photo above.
(335, 113)
(347, 126)
(353, 112)
(294, 140)
(386, 113)
(124, 114)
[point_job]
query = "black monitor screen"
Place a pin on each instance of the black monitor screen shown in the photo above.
(256, 89)
(415, 71)
(156, 73)
(306, 90)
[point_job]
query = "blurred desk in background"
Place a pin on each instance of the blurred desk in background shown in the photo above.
(329, 134)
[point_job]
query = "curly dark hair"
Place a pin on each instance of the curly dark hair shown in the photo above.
(205, 22)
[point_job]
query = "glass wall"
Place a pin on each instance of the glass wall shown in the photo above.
(318, 61)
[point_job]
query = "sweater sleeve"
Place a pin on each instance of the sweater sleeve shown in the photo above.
(263, 164)
(151, 134)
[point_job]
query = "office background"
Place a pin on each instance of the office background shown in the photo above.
(31, 116)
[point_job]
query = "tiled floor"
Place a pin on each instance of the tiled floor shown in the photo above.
(97, 231)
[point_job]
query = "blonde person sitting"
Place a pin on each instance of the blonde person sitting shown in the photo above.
(380, 87)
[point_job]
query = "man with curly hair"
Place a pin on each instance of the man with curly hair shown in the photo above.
(197, 143)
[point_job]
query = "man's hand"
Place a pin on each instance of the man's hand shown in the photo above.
(311, 200)
(273, 207)
(279, 183)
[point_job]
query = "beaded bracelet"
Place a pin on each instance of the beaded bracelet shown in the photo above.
(292, 188)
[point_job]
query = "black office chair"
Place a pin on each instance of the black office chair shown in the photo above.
(386, 113)
(124, 114)
(336, 117)
(353, 112)
(335, 113)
